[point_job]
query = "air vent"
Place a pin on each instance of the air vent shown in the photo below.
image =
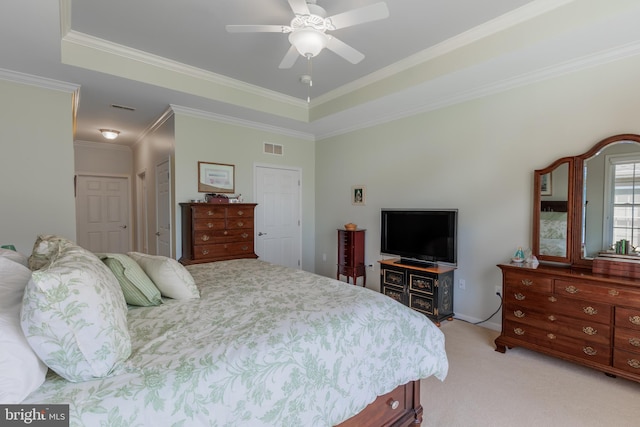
(123, 107)
(275, 149)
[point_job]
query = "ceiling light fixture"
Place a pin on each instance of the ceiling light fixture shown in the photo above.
(308, 41)
(110, 133)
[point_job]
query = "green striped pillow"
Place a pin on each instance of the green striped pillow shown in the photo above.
(137, 287)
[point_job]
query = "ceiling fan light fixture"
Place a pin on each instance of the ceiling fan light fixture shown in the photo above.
(308, 41)
(110, 133)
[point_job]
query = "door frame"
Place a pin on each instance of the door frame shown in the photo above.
(257, 165)
(169, 161)
(142, 212)
(129, 201)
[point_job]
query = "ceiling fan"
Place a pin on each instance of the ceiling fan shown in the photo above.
(308, 30)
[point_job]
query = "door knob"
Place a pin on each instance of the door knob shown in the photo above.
(123, 226)
(157, 233)
(260, 233)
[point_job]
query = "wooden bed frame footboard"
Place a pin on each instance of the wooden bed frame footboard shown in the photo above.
(399, 408)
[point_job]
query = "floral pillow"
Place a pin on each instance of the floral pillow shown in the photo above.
(173, 280)
(75, 317)
(21, 372)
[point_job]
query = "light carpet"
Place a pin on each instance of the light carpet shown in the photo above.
(521, 388)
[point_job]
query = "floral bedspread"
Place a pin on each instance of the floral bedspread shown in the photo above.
(264, 346)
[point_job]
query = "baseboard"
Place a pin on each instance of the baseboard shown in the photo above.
(493, 325)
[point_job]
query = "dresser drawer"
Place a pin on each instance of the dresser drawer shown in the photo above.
(222, 250)
(555, 305)
(209, 224)
(583, 349)
(208, 211)
(597, 292)
(423, 304)
(208, 237)
(239, 212)
(386, 410)
(392, 277)
(627, 339)
(518, 280)
(394, 292)
(559, 324)
(628, 318)
(420, 283)
(627, 361)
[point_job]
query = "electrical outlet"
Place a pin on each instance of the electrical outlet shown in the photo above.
(498, 289)
(370, 267)
(462, 284)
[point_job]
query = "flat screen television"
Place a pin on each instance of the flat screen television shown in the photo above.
(420, 236)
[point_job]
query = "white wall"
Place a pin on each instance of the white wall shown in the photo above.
(208, 140)
(478, 157)
(36, 164)
(102, 158)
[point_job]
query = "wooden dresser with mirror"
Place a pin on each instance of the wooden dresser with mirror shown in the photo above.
(563, 307)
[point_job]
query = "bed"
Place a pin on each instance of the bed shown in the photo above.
(262, 345)
(553, 228)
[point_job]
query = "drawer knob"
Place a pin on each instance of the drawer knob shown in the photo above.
(393, 403)
(527, 282)
(634, 363)
(590, 311)
(519, 297)
(240, 213)
(590, 351)
(240, 223)
(210, 225)
(635, 320)
(614, 292)
(551, 336)
(572, 289)
(589, 330)
(245, 248)
(210, 212)
(205, 237)
(225, 232)
(553, 299)
(634, 342)
(244, 235)
(518, 331)
(205, 251)
(552, 318)
(519, 314)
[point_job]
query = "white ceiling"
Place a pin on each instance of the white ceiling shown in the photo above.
(553, 37)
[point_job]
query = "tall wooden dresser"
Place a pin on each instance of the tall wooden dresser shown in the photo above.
(574, 314)
(351, 255)
(216, 232)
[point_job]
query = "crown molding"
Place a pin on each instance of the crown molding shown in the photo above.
(192, 112)
(42, 82)
(88, 41)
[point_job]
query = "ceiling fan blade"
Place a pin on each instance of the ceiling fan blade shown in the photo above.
(257, 28)
(299, 7)
(344, 50)
(290, 58)
(360, 15)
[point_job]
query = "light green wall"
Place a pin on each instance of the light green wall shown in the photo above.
(478, 157)
(36, 164)
(202, 139)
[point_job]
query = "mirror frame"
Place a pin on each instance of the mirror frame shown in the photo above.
(578, 259)
(537, 203)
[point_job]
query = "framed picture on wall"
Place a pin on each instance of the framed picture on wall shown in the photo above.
(358, 195)
(216, 178)
(545, 185)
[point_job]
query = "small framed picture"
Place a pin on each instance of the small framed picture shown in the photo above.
(216, 178)
(358, 195)
(545, 185)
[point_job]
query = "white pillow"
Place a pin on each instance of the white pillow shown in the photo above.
(21, 372)
(14, 256)
(75, 317)
(173, 280)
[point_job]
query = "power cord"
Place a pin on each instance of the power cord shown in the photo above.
(488, 318)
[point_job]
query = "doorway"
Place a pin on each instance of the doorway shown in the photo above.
(278, 215)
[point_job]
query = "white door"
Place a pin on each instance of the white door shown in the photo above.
(102, 213)
(163, 208)
(278, 235)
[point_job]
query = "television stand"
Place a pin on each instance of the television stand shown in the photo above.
(426, 289)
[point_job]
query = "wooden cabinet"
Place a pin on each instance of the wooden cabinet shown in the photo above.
(428, 290)
(351, 255)
(216, 232)
(573, 314)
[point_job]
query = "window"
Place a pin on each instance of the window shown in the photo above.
(623, 222)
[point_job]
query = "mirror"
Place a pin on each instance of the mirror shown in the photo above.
(607, 211)
(552, 211)
(585, 204)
